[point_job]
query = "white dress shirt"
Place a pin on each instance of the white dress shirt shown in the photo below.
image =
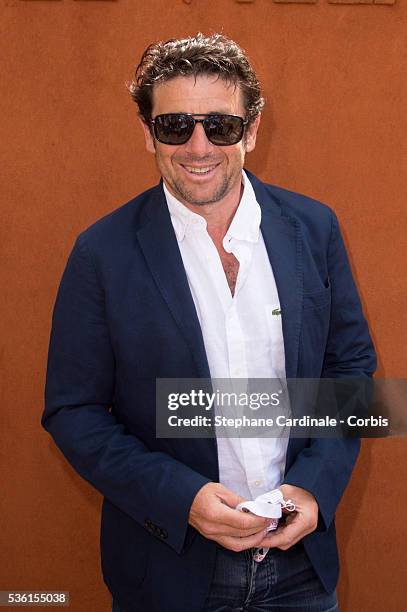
(242, 338)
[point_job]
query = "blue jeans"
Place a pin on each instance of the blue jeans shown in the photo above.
(283, 582)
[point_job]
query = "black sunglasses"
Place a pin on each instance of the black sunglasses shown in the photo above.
(177, 128)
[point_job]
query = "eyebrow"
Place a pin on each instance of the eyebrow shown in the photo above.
(219, 112)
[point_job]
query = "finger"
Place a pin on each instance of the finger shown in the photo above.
(240, 523)
(238, 518)
(240, 544)
(219, 520)
(290, 518)
(220, 529)
(229, 498)
(240, 533)
(286, 536)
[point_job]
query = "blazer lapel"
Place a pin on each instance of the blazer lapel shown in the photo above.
(282, 237)
(160, 247)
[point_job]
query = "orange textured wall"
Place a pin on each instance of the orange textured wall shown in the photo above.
(71, 150)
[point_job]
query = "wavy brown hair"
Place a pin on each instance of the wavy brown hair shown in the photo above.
(192, 56)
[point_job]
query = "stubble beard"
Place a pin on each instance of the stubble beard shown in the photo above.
(220, 191)
(187, 195)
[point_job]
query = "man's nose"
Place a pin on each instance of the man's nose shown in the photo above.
(198, 144)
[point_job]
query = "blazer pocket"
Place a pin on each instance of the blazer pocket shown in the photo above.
(318, 299)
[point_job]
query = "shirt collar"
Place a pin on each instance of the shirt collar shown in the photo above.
(181, 216)
(245, 223)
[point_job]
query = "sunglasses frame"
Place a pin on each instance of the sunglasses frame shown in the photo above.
(206, 118)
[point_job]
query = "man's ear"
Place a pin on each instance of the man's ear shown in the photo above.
(251, 134)
(150, 143)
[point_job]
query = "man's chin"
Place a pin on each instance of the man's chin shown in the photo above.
(200, 197)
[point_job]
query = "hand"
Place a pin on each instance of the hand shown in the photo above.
(213, 514)
(300, 523)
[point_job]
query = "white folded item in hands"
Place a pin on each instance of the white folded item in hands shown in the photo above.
(269, 505)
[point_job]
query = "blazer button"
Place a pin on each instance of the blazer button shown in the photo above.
(148, 525)
(163, 534)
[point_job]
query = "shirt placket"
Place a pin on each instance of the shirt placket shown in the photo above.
(250, 448)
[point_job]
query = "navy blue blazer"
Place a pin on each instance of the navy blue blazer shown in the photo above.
(124, 316)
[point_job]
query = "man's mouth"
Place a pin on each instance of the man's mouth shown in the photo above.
(200, 169)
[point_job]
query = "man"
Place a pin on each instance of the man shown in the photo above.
(185, 281)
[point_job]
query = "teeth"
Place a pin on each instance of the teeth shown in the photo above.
(199, 170)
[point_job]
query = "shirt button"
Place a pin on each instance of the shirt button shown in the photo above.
(258, 483)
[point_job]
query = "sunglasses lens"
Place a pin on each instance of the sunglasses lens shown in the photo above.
(223, 130)
(177, 129)
(173, 129)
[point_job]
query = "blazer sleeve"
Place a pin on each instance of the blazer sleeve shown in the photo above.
(79, 392)
(325, 466)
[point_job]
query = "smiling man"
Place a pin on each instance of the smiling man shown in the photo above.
(211, 273)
